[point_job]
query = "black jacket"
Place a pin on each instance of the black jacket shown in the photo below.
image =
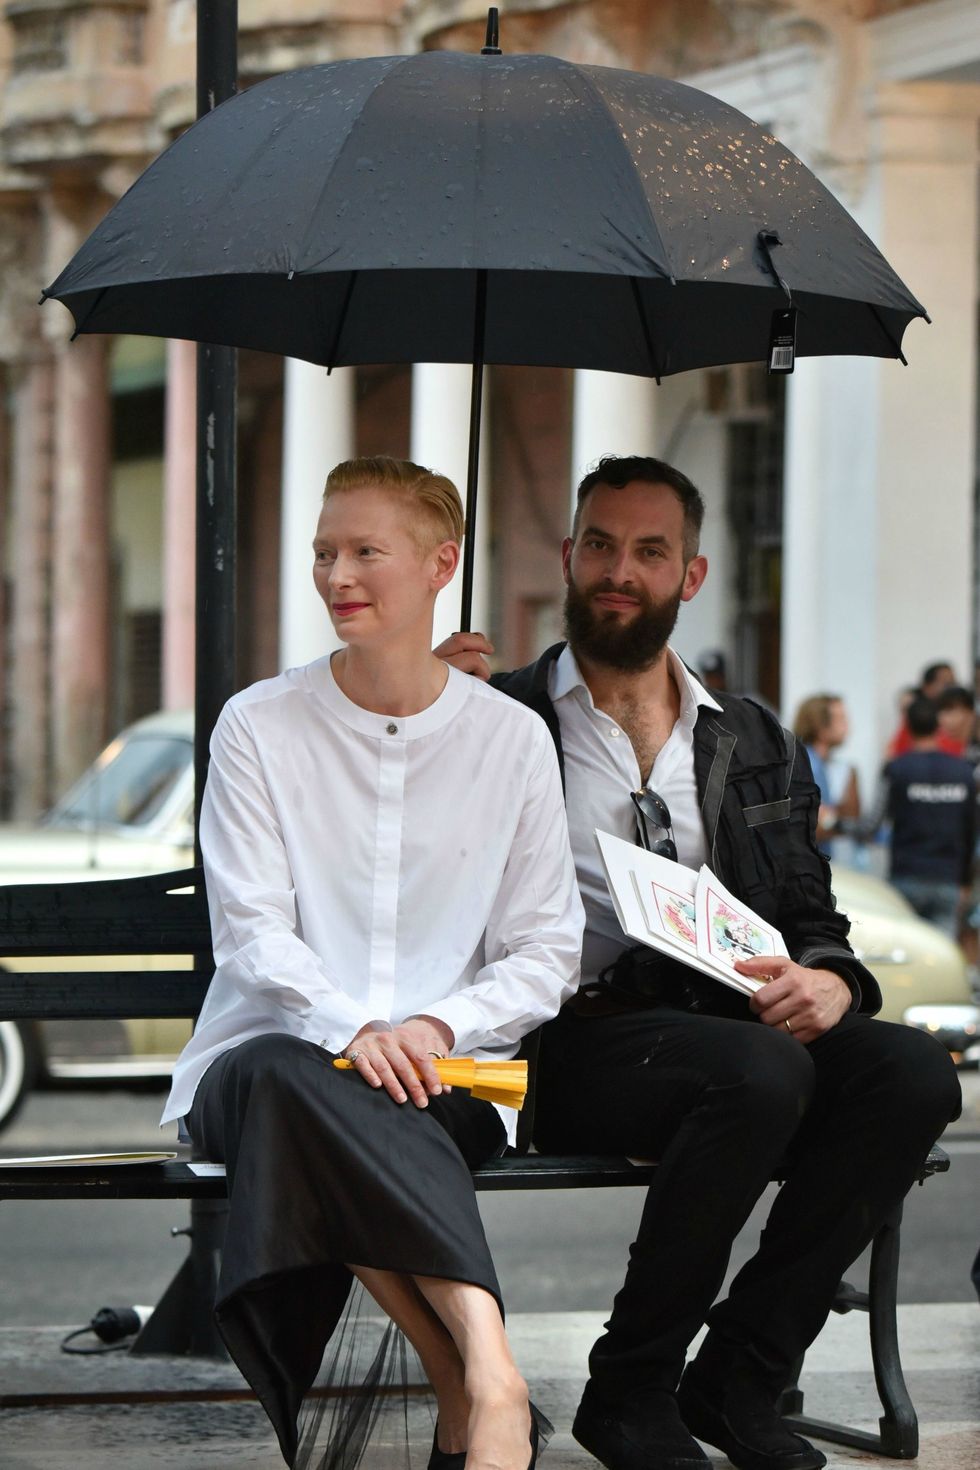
(759, 808)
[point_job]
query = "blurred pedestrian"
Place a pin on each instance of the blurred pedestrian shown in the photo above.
(713, 669)
(930, 797)
(935, 678)
(958, 721)
(822, 725)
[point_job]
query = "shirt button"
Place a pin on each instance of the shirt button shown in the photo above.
(614, 731)
(391, 728)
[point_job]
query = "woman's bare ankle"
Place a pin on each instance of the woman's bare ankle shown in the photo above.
(453, 1422)
(499, 1431)
(500, 1384)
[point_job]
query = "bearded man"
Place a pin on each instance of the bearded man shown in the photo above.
(645, 1061)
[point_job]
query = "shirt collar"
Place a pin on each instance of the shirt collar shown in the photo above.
(566, 677)
(396, 728)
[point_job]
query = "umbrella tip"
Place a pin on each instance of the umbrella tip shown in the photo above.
(491, 46)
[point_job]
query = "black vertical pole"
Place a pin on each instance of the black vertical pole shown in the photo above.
(473, 458)
(183, 1321)
(490, 48)
(217, 383)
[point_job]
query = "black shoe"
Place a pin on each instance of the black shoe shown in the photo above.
(535, 1440)
(443, 1459)
(738, 1415)
(647, 1436)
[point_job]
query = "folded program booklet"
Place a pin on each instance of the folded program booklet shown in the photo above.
(86, 1161)
(688, 915)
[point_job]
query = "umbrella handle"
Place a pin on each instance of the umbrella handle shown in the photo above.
(473, 457)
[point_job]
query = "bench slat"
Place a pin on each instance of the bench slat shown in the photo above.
(176, 1181)
(101, 995)
(106, 916)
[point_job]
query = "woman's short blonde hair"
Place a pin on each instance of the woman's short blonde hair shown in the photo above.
(436, 509)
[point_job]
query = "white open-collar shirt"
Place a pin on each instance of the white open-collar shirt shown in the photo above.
(601, 770)
(364, 867)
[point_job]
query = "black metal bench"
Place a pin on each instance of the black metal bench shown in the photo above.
(166, 915)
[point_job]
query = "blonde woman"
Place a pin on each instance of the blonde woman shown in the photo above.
(822, 725)
(389, 880)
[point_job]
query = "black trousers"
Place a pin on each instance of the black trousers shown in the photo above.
(721, 1102)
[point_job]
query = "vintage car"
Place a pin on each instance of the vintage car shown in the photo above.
(132, 813)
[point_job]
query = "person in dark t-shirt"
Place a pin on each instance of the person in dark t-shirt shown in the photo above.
(930, 798)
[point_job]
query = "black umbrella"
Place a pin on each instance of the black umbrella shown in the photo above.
(504, 209)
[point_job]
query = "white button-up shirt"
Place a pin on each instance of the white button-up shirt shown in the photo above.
(365, 867)
(601, 770)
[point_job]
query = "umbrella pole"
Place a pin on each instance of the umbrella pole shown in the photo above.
(473, 457)
(183, 1319)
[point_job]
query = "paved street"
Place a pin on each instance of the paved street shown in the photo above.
(559, 1257)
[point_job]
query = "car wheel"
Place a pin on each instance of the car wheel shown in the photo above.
(18, 1065)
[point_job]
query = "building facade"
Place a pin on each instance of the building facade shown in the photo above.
(842, 524)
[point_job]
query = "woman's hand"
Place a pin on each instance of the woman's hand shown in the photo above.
(401, 1060)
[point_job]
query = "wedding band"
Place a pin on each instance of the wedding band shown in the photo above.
(352, 1056)
(439, 1056)
(788, 1027)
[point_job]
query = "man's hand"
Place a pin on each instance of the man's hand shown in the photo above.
(401, 1060)
(465, 651)
(811, 1001)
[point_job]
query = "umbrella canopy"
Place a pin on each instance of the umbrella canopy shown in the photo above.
(347, 213)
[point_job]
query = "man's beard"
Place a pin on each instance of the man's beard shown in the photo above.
(603, 638)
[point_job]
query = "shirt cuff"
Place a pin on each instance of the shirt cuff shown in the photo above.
(464, 1020)
(336, 1030)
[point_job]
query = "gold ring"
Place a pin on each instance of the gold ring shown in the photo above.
(788, 1027)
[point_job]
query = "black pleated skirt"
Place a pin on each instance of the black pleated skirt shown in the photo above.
(325, 1171)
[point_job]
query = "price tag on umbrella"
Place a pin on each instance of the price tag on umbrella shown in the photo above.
(782, 340)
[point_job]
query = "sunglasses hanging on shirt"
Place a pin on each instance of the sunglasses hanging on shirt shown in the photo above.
(652, 816)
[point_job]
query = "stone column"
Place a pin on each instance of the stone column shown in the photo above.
(179, 513)
(880, 458)
(318, 432)
(611, 414)
(80, 558)
(440, 440)
(30, 529)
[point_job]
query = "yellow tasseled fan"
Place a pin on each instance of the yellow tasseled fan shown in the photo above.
(496, 1082)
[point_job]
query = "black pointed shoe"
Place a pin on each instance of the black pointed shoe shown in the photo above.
(541, 1431)
(647, 1436)
(736, 1414)
(444, 1459)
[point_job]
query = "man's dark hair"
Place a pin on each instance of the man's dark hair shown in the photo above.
(955, 697)
(931, 670)
(617, 470)
(921, 717)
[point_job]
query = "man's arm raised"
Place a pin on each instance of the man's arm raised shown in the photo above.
(466, 652)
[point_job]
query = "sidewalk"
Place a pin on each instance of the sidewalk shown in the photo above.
(941, 1351)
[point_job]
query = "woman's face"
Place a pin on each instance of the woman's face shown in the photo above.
(368, 567)
(837, 723)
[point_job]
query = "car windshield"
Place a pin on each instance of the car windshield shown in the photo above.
(127, 785)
